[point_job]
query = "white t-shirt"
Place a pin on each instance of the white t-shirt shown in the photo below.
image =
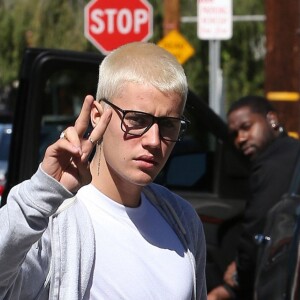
(138, 255)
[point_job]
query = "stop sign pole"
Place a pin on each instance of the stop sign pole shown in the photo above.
(215, 24)
(109, 24)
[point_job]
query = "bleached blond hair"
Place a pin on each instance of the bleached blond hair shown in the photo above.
(141, 63)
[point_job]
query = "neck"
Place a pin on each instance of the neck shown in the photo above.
(112, 185)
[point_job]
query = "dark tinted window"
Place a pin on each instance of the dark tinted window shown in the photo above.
(5, 137)
(191, 164)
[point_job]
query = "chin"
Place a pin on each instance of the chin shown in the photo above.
(142, 180)
(145, 182)
(253, 156)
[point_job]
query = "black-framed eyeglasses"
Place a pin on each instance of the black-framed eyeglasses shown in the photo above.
(137, 123)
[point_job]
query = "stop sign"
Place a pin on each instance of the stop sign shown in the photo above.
(109, 24)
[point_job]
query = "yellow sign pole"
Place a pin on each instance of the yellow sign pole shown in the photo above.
(171, 16)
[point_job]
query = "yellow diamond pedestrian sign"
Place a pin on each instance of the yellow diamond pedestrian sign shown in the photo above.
(176, 44)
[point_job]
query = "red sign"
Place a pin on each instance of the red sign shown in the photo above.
(112, 23)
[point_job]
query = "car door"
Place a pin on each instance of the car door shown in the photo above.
(52, 85)
(203, 168)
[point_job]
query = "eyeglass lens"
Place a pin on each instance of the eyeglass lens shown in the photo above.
(137, 123)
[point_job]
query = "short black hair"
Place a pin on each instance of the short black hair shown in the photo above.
(257, 104)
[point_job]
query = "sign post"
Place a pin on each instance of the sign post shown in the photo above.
(215, 24)
(109, 24)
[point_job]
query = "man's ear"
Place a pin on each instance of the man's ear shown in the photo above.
(272, 117)
(96, 113)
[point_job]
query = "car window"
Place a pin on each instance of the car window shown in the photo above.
(191, 164)
(5, 137)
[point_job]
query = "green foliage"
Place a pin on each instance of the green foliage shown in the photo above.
(59, 24)
(36, 23)
(7, 55)
(64, 25)
(13, 24)
(247, 70)
(242, 56)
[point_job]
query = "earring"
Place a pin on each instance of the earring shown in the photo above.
(99, 160)
(274, 125)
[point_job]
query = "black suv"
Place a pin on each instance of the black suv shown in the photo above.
(203, 168)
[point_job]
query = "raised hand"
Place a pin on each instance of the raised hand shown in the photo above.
(230, 274)
(67, 159)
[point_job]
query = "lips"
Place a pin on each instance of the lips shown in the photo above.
(147, 160)
(248, 150)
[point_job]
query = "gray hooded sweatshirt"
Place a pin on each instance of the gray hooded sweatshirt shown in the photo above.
(47, 243)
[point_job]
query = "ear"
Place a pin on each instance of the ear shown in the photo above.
(272, 117)
(96, 113)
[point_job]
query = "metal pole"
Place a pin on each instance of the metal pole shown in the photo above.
(215, 76)
(248, 18)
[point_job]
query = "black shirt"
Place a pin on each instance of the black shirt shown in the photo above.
(270, 177)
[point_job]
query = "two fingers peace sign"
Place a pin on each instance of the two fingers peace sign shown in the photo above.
(67, 159)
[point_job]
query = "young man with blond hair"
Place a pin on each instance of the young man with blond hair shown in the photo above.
(103, 230)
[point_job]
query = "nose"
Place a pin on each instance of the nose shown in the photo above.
(241, 137)
(152, 136)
